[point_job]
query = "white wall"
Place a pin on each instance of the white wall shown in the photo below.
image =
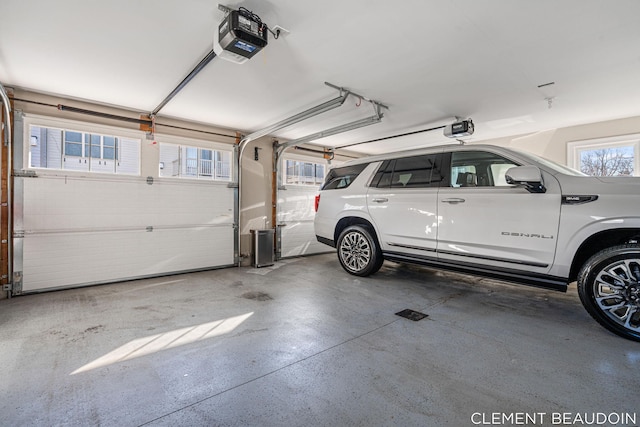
(552, 144)
(256, 192)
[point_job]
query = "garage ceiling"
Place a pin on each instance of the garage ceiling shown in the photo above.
(429, 61)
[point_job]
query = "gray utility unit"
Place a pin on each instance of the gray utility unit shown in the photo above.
(262, 244)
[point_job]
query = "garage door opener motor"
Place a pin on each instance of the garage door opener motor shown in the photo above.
(241, 34)
(459, 128)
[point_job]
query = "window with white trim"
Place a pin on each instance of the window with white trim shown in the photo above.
(615, 156)
(183, 161)
(297, 172)
(69, 149)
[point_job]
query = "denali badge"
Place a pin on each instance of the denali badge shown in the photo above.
(538, 236)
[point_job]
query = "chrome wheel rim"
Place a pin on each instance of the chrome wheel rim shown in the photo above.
(355, 251)
(617, 292)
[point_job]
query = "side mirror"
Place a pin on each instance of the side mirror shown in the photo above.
(528, 176)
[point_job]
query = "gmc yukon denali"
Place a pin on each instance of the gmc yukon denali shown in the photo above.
(494, 212)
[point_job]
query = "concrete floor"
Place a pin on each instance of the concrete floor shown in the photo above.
(303, 343)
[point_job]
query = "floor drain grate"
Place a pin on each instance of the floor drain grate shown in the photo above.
(412, 315)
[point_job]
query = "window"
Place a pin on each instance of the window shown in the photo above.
(556, 167)
(96, 146)
(410, 172)
(298, 172)
(479, 169)
(617, 156)
(182, 161)
(73, 144)
(54, 148)
(206, 162)
(342, 177)
(223, 165)
(110, 146)
(191, 161)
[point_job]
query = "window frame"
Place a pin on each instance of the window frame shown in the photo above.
(83, 128)
(218, 151)
(88, 146)
(388, 168)
(301, 164)
(349, 178)
(68, 144)
(574, 149)
(453, 182)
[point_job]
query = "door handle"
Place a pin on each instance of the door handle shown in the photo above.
(380, 200)
(453, 201)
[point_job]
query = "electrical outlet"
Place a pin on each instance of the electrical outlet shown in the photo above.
(283, 31)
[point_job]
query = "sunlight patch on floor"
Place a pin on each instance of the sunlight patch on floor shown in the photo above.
(171, 339)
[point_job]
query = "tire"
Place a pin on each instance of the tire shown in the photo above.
(609, 288)
(358, 251)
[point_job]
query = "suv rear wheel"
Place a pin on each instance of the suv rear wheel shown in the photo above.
(358, 251)
(609, 288)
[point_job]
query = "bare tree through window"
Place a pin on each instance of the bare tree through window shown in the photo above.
(607, 161)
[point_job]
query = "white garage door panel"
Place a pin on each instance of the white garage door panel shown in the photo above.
(95, 230)
(299, 238)
(296, 214)
(61, 260)
(58, 203)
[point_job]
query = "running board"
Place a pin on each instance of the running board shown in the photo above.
(514, 276)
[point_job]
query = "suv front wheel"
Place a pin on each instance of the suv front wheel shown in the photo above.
(358, 251)
(609, 288)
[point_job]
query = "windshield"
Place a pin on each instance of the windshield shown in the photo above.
(557, 167)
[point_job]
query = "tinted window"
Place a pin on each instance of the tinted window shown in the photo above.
(342, 177)
(410, 172)
(478, 169)
(382, 178)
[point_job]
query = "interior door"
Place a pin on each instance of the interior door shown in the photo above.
(486, 221)
(402, 201)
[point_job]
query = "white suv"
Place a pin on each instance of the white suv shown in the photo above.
(495, 212)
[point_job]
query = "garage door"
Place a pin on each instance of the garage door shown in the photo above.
(302, 178)
(73, 227)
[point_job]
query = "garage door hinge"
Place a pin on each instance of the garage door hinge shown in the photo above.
(18, 234)
(232, 185)
(25, 174)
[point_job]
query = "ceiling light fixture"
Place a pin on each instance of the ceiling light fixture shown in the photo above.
(550, 101)
(549, 93)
